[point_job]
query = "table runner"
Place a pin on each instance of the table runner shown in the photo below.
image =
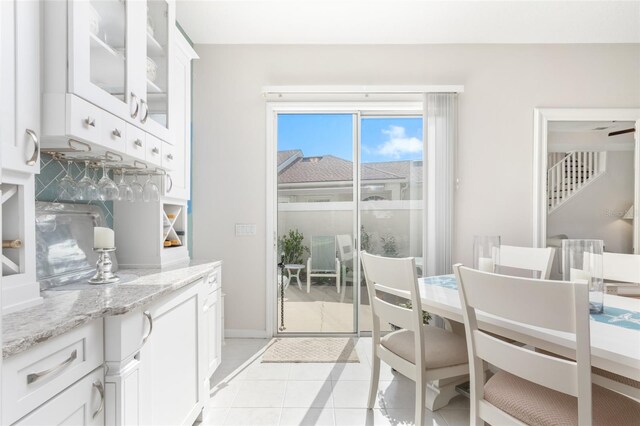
(613, 316)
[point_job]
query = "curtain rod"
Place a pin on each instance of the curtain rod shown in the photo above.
(362, 89)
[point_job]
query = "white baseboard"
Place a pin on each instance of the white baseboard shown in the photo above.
(245, 334)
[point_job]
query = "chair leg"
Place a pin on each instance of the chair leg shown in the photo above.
(308, 282)
(375, 377)
(421, 400)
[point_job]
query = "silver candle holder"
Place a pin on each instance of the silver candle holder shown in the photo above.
(104, 274)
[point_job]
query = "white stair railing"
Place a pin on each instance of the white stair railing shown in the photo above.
(571, 174)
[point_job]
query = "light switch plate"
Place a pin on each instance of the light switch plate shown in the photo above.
(245, 229)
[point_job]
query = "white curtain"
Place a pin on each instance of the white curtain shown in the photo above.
(440, 138)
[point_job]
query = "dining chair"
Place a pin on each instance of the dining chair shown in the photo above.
(421, 353)
(529, 258)
(532, 387)
(322, 261)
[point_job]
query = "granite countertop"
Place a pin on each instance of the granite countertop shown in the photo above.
(70, 306)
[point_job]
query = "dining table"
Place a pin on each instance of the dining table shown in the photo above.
(614, 334)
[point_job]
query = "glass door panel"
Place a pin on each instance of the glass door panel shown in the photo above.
(316, 223)
(391, 201)
(157, 64)
(108, 46)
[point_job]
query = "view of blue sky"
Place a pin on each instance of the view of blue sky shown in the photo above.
(383, 139)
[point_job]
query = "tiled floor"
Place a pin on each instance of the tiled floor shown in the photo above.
(247, 392)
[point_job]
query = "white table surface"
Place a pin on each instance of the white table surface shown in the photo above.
(615, 349)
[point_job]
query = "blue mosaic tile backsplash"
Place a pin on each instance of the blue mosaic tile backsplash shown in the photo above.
(48, 188)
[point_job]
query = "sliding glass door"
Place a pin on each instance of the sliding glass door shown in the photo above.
(346, 181)
(316, 223)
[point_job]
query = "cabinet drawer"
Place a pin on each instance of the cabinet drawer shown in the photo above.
(154, 150)
(135, 142)
(168, 156)
(32, 377)
(84, 119)
(113, 132)
(214, 280)
(81, 404)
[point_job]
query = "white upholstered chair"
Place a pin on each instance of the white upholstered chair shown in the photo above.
(532, 387)
(421, 353)
(529, 258)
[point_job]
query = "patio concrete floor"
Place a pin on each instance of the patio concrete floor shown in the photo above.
(323, 309)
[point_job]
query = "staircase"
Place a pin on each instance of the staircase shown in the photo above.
(571, 174)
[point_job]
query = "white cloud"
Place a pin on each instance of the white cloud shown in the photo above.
(398, 143)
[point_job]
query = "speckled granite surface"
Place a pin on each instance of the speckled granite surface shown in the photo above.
(70, 306)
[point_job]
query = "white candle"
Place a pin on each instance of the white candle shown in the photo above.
(579, 274)
(485, 264)
(103, 238)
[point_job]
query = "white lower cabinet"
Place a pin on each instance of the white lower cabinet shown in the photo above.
(213, 323)
(80, 404)
(156, 360)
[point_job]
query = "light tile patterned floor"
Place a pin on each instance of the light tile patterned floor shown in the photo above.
(247, 392)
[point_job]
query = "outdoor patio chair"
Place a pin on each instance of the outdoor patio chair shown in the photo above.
(345, 256)
(323, 261)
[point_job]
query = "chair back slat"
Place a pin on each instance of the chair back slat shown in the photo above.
(394, 314)
(534, 259)
(323, 253)
(555, 373)
(543, 303)
(621, 267)
(394, 273)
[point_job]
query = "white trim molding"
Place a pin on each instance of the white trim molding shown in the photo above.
(541, 118)
(324, 90)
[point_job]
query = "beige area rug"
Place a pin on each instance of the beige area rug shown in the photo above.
(311, 349)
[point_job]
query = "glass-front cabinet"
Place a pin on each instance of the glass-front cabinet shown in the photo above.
(118, 58)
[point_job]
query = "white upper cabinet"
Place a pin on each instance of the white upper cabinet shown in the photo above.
(117, 58)
(20, 85)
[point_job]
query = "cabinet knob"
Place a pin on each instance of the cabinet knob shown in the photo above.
(116, 133)
(155, 150)
(169, 156)
(138, 142)
(90, 122)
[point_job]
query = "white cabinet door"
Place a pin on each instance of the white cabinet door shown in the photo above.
(80, 404)
(213, 321)
(180, 176)
(106, 55)
(172, 390)
(20, 85)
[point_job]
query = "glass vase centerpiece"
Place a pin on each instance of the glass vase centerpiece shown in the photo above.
(486, 252)
(582, 260)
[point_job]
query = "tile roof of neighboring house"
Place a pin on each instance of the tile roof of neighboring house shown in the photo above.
(285, 155)
(328, 168)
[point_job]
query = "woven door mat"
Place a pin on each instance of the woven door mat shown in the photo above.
(311, 349)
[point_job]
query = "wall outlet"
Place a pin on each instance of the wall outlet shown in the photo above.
(245, 229)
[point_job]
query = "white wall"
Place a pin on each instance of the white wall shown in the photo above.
(596, 212)
(503, 83)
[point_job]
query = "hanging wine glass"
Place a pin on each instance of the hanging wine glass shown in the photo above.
(108, 188)
(68, 186)
(87, 189)
(137, 189)
(125, 193)
(151, 191)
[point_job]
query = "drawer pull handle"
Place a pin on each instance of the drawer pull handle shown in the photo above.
(98, 385)
(138, 142)
(90, 122)
(143, 119)
(169, 156)
(155, 150)
(116, 133)
(170, 182)
(134, 100)
(36, 147)
(148, 315)
(33, 377)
